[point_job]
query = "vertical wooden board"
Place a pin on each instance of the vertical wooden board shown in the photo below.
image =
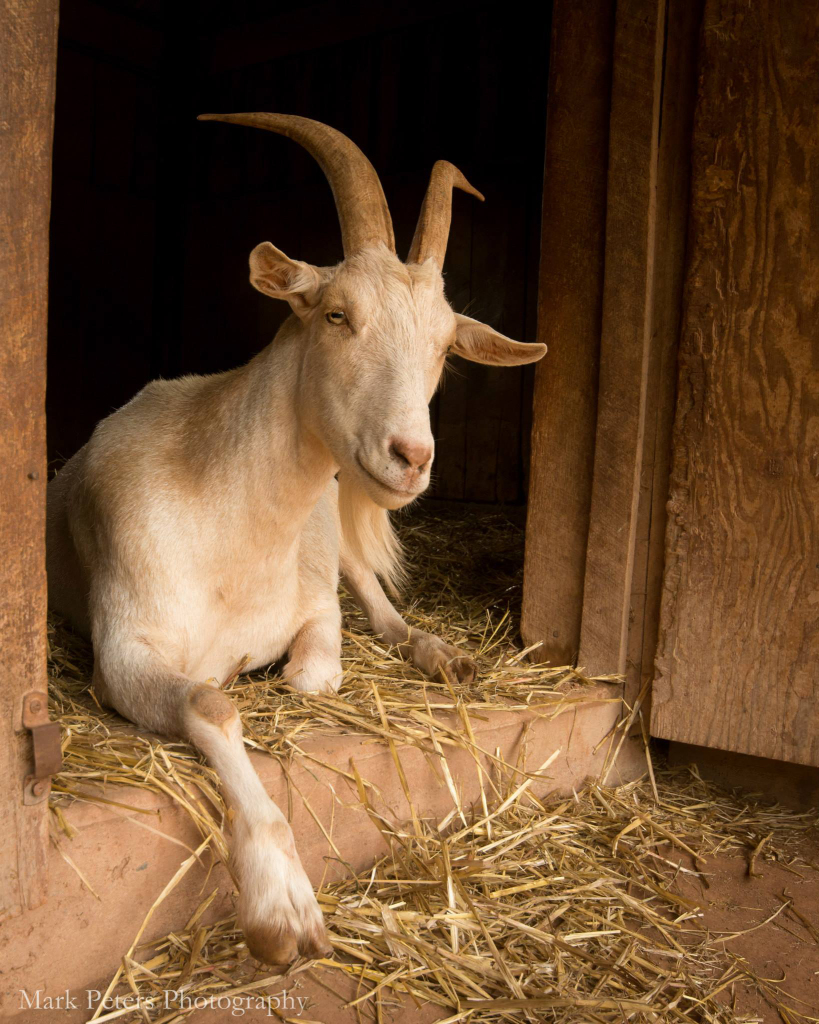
(626, 333)
(28, 46)
(569, 311)
(737, 663)
(679, 92)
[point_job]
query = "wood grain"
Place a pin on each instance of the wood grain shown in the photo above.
(737, 664)
(569, 313)
(28, 47)
(631, 239)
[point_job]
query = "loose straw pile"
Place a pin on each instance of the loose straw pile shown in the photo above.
(539, 910)
(549, 911)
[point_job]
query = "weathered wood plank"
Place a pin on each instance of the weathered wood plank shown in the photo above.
(737, 663)
(28, 48)
(679, 93)
(626, 332)
(569, 312)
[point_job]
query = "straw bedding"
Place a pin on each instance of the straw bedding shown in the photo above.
(536, 909)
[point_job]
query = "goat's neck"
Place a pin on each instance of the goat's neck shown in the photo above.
(257, 442)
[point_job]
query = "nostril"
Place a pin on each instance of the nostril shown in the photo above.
(398, 454)
(411, 454)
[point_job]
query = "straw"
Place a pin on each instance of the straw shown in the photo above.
(519, 908)
(565, 915)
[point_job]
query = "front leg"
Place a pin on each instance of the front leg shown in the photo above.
(427, 652)
(315, 654)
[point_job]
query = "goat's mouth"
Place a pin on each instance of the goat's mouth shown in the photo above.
(403, 494)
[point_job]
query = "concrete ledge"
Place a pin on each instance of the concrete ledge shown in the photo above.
(75, 941)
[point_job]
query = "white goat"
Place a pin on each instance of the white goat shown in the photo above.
(202, 520)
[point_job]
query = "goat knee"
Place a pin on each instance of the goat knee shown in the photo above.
(208, 705)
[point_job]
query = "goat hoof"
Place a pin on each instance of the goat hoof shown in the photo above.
(464, 669)
(314, 944)
(432, 655)
(278, 911)
(276, 947)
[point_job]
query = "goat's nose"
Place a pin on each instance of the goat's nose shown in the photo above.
(410, 453)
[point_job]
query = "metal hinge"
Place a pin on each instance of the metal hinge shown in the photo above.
(45, 735)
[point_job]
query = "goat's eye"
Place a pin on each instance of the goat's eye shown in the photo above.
(335, 316)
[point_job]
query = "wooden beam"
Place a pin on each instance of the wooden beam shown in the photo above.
(625, 342)
(569, 313)
(682, 33)
(28, 56)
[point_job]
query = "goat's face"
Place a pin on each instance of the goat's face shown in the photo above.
(375, 331)
(375, 334)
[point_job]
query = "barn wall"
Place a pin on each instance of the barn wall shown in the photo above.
(155, 213)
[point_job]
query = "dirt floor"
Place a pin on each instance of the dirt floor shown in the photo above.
(786, 949)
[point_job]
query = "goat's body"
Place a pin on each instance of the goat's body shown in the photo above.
(202, 524)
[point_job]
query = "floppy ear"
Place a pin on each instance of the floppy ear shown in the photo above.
(276, 275)
(480, 344)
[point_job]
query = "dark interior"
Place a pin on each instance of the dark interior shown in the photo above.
(154, 214)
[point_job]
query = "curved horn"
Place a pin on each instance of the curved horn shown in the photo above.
(360, 202)
(432, 232)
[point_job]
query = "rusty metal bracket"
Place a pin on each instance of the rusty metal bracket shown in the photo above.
(45, 735)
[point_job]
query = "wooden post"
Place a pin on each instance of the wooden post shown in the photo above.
(28, 54)
(682, 31)
(569, 313)
(631, 239)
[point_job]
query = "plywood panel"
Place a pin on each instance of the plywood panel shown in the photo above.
(737, 664)
(28, 45)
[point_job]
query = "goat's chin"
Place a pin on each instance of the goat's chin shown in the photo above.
(382, 494)
(393, 500)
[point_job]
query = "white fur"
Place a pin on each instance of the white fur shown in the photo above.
(367, 535)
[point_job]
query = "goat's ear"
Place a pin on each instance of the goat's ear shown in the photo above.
(480, 344)
(276, 275)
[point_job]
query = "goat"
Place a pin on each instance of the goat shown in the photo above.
(203, 519)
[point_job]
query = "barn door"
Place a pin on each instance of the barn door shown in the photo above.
(28, 53)
(738, 655)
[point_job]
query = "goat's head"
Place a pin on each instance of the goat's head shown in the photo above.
(376, 331)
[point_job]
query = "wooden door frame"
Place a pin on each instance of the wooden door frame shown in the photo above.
(28, 54)
(615, 210)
